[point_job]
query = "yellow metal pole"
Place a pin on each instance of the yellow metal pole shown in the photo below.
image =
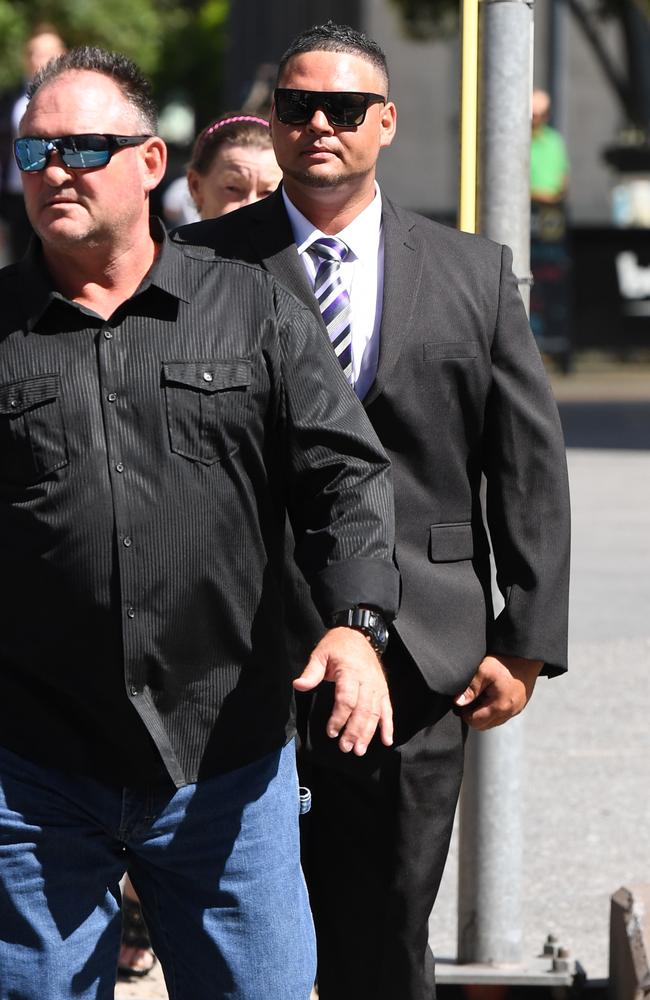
(468, 117)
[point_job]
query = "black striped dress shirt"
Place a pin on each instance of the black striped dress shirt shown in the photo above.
(146, 466)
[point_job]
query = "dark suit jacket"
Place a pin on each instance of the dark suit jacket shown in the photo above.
(460, 391)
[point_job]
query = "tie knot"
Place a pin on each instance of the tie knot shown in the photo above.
(330, 248)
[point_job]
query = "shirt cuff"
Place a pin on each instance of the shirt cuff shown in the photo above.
(371, 582)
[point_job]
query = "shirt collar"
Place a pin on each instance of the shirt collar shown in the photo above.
(166, 273)
(361, 235)
(168, 270)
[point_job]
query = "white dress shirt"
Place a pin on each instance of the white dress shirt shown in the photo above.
(362, 273)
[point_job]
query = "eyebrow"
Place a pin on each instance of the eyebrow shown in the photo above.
(235, 171)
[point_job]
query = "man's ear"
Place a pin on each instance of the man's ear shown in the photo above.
(154, 158)
(387, 124)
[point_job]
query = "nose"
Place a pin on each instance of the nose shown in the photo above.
(319, 123)
(55, 172)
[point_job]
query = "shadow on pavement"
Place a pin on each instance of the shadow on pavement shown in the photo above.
(607, 424)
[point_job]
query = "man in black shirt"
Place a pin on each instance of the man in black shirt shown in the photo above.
(160, 411)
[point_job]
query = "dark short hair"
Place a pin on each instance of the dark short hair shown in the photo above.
(331, 37)
(124, 73)
(236, 128)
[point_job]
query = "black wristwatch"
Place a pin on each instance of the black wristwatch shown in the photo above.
(366, 621)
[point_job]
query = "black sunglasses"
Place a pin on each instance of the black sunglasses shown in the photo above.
(345, 108)
(78, 152)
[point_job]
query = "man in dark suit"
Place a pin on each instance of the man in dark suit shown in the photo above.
(435, 340)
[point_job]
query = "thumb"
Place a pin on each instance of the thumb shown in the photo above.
(471, 692)
(311, 676)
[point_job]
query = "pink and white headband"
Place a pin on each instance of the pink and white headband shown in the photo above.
(231, 121)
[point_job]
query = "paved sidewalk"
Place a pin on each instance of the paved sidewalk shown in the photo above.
(151, 987)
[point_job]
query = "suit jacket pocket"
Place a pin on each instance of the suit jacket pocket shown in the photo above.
(451, 542)
(32, 434)
(207, 406)
(435, 351)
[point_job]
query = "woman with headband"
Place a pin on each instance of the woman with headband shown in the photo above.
(232, 164)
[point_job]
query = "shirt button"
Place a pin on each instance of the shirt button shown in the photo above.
(208, 376)
(126, 541)
(112, 396)
(130, 611)
(108, 334)
(119, 467)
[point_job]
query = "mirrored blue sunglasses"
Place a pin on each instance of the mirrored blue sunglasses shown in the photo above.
(78, 152)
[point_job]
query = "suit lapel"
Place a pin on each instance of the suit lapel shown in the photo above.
(272, 237)
(402, 274)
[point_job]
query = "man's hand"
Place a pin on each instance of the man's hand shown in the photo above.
(500, 688)
(361, 700)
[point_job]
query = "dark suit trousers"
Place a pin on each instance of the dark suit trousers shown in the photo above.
(376, 840)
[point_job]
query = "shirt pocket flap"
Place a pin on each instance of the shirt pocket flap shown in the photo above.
(18, 397)
(451, 542)
(434, 351)
(208, 376)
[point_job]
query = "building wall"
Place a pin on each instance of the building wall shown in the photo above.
(420, 170)
(260, 31)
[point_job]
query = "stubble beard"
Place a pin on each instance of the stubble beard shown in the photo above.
(70, 241)
(90, 234)
(316, 180)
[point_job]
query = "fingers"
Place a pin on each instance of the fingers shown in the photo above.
(361, 699)
(499, 690)
(386, 722)
(498, 700)
(360, 707)
(493, 704)
(487, 711)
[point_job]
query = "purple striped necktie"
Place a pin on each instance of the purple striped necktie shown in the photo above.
(333, 298)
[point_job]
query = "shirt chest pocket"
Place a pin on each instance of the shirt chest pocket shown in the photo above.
(207, 403)
(32, 433)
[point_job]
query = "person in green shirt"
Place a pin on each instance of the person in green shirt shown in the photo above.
(549, 164)
(550, 297)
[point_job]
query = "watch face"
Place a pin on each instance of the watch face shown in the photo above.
(379, 632)
(382, 634)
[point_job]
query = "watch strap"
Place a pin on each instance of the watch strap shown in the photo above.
(367, 621)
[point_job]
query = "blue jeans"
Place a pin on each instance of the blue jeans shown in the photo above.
(216, 865)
